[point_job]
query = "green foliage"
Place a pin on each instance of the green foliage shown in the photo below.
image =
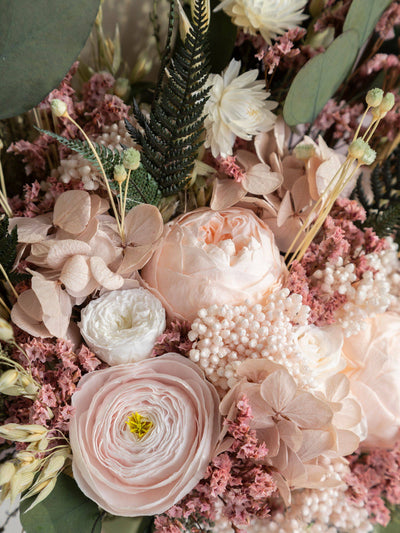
(319, 79)
(142, 188)
(8, 251)
(363, 16)
(65, 510)
(383, 205)
(170, 138)
(119, 524)
(39, 41)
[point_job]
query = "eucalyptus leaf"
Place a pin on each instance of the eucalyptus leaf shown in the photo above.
(363, 16)
(319, 79)
(65, 510)
(120, 524)
(39, 41)
(393, 527)
(222, 36)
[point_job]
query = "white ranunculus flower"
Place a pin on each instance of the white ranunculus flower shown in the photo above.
(270, 17)
(236, 107)
(321, 348)
(122, 326)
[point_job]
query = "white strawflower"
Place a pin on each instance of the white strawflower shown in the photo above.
(236, 107)
(270, 17)
(122, 326)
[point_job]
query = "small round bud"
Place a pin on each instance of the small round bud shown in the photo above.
(59, 108)
(374, 97)
(6, 331)
(357, 148)
(378, 113)
(369, 156)
(304, 151)
(387, 102)
(131, 159)
(119, 173)
(122, 88)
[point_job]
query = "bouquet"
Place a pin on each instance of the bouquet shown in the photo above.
(200, 276)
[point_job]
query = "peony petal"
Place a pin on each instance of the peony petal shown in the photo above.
(308, 412)
(226, 193)
(278, 389)
(104, 276)
(75, 273)
(143, 225)
(72, 211)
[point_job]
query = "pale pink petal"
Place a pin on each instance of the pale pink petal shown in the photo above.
(30, 305)
(260, 180)
(56, 305)
(308, 412)
(75, 273)
(31, 230)
(290, 433)
(276, 164)
(246, 159)
(285, 210)
(295, 469)
(312, 166)
(135, 258)
(270, 436)
(301, 195)
(347, 442)
(226, 193)
(60, 251)
(98, 205)
(103, 275)
(278, 389)
(143, 224)
(264, 144)
(337, 387)
(72, 211)
(260, 410)
(103, 246)
(315, 443)
(39, 253)
(257, 370)
(90, 231)
(26, 323)
(283, 487)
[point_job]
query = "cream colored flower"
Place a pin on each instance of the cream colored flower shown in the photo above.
(236, 107)
(270, 17)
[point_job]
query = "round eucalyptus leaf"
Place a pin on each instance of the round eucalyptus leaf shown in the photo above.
(39, 41)
(319, 79)
(363, 16)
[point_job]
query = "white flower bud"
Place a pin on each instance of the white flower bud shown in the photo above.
(374, 97)
(59, 108)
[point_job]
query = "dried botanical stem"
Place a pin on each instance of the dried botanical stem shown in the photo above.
(8, 281)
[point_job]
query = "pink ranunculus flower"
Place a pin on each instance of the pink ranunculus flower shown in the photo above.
(142, 434)
(373, 368)
(208, 257)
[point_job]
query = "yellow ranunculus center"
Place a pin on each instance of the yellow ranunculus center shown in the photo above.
(139, 425)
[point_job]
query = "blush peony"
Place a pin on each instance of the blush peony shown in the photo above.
(208, 257)
(122, 326)
(142, 434)
(374, 371)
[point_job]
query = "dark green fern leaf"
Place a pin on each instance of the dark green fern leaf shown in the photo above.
(109, 158)
(171, 137)
(382, 205)
(142, 189)
(8, 252)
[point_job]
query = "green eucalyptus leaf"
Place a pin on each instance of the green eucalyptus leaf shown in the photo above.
(39, 41)
(393, 527)
(319, 79)
(120, 524)
(65, 510)
(222, 36)
(363, 16)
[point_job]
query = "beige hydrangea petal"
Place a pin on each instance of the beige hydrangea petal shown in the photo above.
(347, 442)
(143, 224)
(290, 434)
(55, 303)
(226, 193)
(260, 410)
(270, 436)
(295, 469)
(60, 251)
(279, 389)
(29, 303)
(315, 443)
(285, 209)
(349, 416)
(75, 273)
(308, 412)
(72, 211)
(260, 180)
(98, 205)
(104, 276)
(26, 323)
(337, 387)
(31, 230)
(90, 231)
(135, 258)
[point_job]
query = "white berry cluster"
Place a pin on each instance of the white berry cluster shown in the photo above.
(225, 336)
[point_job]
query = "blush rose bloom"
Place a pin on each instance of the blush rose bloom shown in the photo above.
(208, 257)
(128, 475)
(123, 326)
(373, 367)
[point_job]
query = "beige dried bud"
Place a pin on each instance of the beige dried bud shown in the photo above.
(7, 379)
(387, 102)
(23, 432)
(7, 470)
(120, 173)
(131, 158)
(374, 97)
(59, 108)
(6, 331)
(20, 482)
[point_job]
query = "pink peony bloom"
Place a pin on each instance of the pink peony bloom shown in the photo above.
(209, 257)
(374, 372)
(131, 471)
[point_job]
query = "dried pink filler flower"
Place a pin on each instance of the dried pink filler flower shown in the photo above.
(58, 368)
(339, 239)
(234, 478)
(375, 480)
(389, 19)
(174, 339)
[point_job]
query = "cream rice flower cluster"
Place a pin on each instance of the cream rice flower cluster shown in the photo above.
(270, 17)
(236, 107)
(122, 326)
